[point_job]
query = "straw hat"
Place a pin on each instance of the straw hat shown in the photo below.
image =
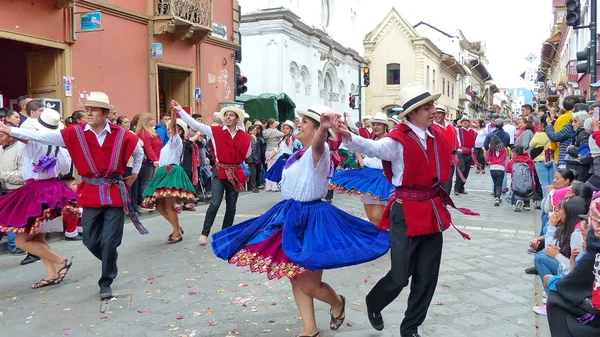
(395, 120)
(49, 120)
(380, 117)
(315, 111)
(182, 124)
(239, 112)
(464, 118)
(413, 96)
(290, 124)
(98, 99)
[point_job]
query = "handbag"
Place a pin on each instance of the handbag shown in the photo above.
(533, 153)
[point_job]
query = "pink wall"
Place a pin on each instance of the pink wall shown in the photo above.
(33, 17)
(134, 5)
(106, 61)
(217, 62)
(177, 52)
(223, 14)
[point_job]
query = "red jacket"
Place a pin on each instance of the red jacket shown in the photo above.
(152, 145)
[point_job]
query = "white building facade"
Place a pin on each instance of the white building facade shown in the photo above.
(281, 53)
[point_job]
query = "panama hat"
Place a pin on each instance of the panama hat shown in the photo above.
(315, 111)
(380, 117)
(182, 124)
(239, 112)
(464, 118)
(440, 108)
(395, 120)
(413, 96)
(98, 99)
(290, 124)
(49, 120)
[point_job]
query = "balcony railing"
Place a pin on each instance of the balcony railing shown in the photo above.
(184, 18)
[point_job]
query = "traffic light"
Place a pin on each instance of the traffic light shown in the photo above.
(240, 84)
(352, 102)
(573, 16)
(583, 67)
(366, 77)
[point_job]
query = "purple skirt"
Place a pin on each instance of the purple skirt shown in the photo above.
(25, 209)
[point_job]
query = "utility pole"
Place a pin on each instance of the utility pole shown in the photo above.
(593, 42)
(360, 86)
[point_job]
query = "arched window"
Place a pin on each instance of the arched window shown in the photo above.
(393, 73)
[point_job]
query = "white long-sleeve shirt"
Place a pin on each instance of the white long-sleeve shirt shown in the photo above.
(386, 149)
(207, 131)
(33, 151)
(11, 166)
(54, 138)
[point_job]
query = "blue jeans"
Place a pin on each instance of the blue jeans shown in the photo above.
(545, 265)
(11, 241)
(545, 218)
(545, 172)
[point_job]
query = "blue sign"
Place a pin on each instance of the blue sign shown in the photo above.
(91, 21)
(157, 50)
(198, 94)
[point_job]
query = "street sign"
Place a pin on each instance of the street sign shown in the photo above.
(198, 94)
(157, 50)
(531, 58)
(91, 21)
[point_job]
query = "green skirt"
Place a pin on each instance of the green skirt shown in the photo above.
(169, 181)
(349, 162)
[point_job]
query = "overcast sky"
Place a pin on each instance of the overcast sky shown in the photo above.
(511, 28)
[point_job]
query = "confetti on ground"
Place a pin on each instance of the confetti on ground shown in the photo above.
(439, 303)
(349, 324)
(180, 317)
(193, 293)
(104, 317)
(42, 291)
(267, 330)
(143, 310)
(234, 332)
(271, 321)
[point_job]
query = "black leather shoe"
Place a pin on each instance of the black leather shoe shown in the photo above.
(30, 258)
(413, 335)
(374, 318)
(105, 293)
(75, 238)
(531, 271)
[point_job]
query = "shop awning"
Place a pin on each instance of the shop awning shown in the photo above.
(264, 106)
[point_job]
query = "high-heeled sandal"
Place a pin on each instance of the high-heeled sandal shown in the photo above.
(336, 322)
(43, 283)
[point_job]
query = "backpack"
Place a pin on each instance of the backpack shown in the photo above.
(522, 182)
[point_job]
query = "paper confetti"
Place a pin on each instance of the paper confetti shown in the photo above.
(180, 317)
(143, 310)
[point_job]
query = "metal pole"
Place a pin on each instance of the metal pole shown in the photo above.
(359, 93)
(593, 42)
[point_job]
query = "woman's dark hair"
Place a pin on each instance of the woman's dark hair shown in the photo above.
(518, 150)
(120, 119)
(496, 144)
(566, 174)
(573, 207)
(569, 102)
(481, 123)
(179, 128)
(581, 107)
(583, 191)
(543, 122)
(270, 122)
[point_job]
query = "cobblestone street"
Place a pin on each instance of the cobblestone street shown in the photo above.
(184, 290)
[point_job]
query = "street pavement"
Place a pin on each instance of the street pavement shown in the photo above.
(184, 290)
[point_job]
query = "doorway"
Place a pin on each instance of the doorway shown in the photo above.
(174, 84)
(31, 69)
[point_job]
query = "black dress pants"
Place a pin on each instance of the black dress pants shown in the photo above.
(447, 186)
(102, 235)
(418, 257)
(220, 187)
(464, 165)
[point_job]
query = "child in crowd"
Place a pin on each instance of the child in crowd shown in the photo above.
(496, 157)
(564, 236)
(522, 179)
(71, 218)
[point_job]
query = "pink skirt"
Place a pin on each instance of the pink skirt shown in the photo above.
(25, 209)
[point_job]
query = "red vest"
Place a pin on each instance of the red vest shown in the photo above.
(365, 133)
(231, 151)
(467, 139)
(89, 195)
(421, 173)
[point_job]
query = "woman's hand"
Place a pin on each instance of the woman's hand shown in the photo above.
(574, 254)
(534, 244)
(360, 162)
(547, 279)
(552, 251)
(155, 163)
(176, 106)
(554, 219)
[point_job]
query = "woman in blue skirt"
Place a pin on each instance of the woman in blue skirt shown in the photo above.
(301, 236)
(368, 181)
(284, 149)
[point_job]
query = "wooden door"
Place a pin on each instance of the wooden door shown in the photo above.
(44, 74)
(178, 84)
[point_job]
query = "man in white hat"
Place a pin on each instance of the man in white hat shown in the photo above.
(466, 138)
(100, 152)
(230, 147)
(416, 158)
(365, 130)
(451, 134)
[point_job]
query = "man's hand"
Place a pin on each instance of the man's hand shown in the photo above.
(547, 279)
(341, 129)
(155, 163)
(130, 180)
(552, 251)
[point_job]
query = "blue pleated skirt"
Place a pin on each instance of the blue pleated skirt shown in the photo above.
(275, 172)
(312, 235)
(363, 181)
